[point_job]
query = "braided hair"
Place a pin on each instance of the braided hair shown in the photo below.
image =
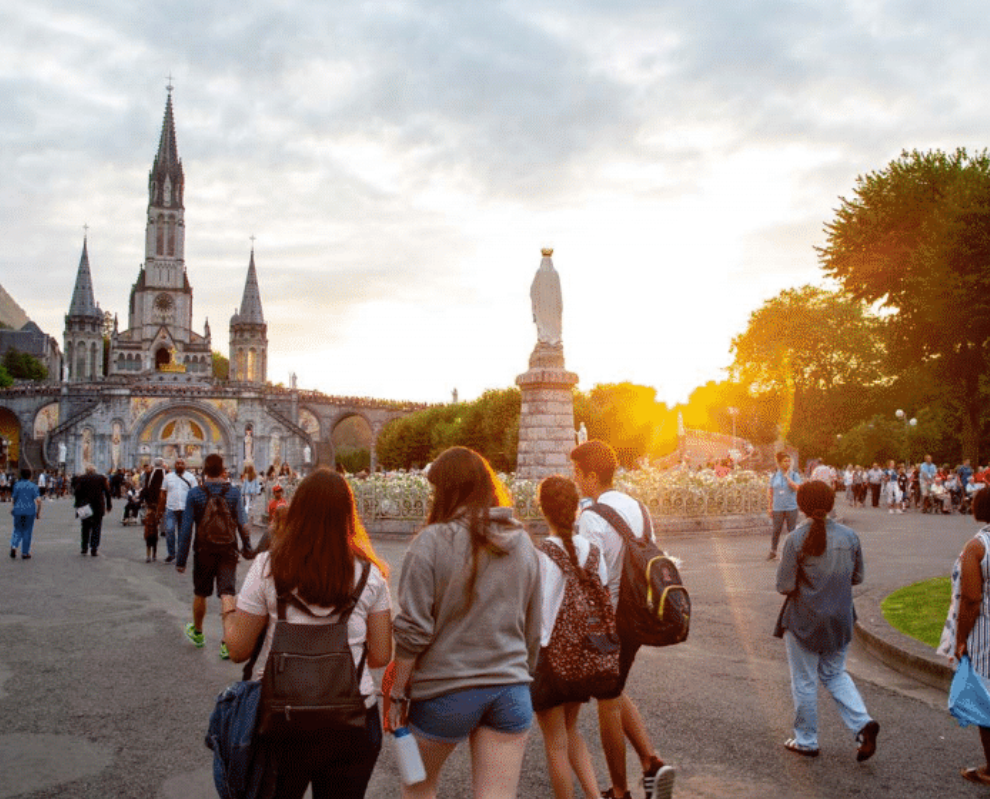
(559, 503)
(815, 499)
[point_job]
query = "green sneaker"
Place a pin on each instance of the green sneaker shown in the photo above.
(224, 652)
(195, 637)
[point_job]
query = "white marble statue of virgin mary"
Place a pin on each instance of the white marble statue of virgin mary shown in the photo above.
(547, 303)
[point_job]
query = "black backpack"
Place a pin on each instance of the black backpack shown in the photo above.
(654, 606)
(216, 529)
(310, 683)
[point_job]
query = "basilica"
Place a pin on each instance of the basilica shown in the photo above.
(127, 396)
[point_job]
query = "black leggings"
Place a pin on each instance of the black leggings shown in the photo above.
(337, 764)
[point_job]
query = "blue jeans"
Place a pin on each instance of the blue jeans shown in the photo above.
(807, 668)
(23, 530)
(780, 517)
(173, 521)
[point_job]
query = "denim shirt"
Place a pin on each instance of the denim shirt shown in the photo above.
(23, 496)
(820, 612)
(784, 497)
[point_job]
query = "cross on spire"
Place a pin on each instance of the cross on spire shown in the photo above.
(169, 87)
(85, 230)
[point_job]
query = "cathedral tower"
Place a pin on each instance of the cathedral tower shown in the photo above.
(249, 334)
(159, 334)
(84, 328)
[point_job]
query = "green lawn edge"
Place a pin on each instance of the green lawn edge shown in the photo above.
(919, 610)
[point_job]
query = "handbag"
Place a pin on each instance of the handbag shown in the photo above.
(84, 512)
(778, 629)
(969, 699)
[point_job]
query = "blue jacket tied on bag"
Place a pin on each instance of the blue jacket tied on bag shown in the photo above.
(242, 766)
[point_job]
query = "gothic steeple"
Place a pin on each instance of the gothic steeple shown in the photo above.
(251, 313)
(83, 302)
(249, 334)
(84, 327)
(166, 180)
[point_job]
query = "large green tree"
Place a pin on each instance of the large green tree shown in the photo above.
(915, 239)
(816, 358)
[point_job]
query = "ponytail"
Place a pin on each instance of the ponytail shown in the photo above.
(815, 499)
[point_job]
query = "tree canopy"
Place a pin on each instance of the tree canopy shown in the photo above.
(23, 365)
(915, 238)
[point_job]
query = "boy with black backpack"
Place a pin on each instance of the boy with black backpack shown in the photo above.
(217, 510)
(594, 465)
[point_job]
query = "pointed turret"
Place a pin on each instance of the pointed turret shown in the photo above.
(166, 180)
(250, 312)
(249, 333)
(83, 302)
(84, 327)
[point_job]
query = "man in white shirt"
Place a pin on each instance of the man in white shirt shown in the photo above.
(174, 489)
(594, 465)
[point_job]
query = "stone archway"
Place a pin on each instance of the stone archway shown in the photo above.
(183, 431)
(351, 437)
(10, 433)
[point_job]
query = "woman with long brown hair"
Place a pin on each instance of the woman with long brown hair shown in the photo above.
(822, 560)
(468, 635)
(318, 555)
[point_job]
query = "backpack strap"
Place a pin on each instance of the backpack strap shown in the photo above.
(559, 557)
(344, 610)
(615, 520)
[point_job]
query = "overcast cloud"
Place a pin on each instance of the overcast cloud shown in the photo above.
(402, 163)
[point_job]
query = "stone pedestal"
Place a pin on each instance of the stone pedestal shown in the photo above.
(546, 420)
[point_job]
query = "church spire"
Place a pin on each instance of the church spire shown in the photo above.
(83, 302)
(251, 313)
(166, 181)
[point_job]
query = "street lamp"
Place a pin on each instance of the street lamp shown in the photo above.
(733, 412)
(908, 424)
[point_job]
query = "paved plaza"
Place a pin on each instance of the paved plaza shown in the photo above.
(102, 696)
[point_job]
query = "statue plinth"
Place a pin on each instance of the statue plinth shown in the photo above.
(547, 356)
(546, 419)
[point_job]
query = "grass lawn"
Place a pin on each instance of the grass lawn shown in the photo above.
(919, 610)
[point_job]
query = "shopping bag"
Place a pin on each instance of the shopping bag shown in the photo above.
(969, 699)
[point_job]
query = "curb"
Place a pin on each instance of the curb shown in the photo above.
(894, 649)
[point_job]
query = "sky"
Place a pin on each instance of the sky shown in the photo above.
(400, 165)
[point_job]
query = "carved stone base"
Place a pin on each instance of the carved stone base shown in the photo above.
(546, 420)
(547, 356)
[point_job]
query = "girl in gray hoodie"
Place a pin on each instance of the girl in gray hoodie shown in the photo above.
(468, 633)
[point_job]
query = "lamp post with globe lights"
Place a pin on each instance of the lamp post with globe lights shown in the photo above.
(908, 424)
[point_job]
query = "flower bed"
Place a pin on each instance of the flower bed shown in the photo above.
(677, 494)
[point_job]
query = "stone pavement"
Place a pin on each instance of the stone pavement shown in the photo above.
(101, 695)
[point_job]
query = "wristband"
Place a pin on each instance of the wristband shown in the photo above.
(401, 700)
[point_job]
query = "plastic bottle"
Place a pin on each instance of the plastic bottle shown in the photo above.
(408, 757)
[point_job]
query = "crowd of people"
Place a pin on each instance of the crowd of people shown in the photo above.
(899, 487)
(480, 604)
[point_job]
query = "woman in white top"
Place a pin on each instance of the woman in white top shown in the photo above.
(556, 706)
(316, 556)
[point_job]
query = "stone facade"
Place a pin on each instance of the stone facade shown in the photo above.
(159, 397)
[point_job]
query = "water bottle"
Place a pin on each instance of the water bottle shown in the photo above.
(408, 757)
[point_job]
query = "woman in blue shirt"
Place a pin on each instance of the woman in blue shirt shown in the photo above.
(26, 499)
(783, 500)
(820, 564)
